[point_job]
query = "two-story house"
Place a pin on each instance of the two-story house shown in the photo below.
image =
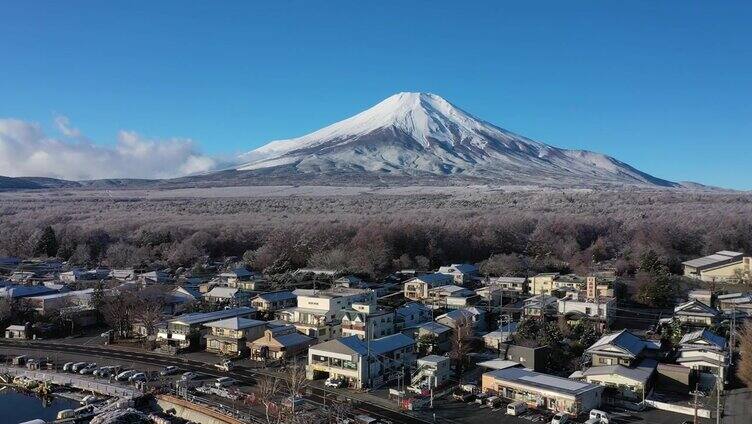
(279, 342)
(460, 273)
(231, 296)
(417, 288)
(540, 306)
(622, 348)
(228, 336)
(600, 311)
(362, 364)
(366, 321)
(186, 332)
(451, 297)
(705, 351)
(271, 302)
(696, 314)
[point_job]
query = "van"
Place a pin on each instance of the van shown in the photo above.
(516, 408)
(597, 414)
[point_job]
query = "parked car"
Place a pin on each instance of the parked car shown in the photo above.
(67, 366)
(89, 369)
(493, 401)
(601, 416)
(189, 375)
(334, 382)
(78, 366)
(169, 370)
(480, 398)
(516, 408)
(125, 375)
(560, 418)
(139, 376)
(224, 382)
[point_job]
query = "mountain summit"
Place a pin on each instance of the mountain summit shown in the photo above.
(422, 134)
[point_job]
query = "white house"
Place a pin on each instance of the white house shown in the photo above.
(705, 351)
(417, 288)
(460, 273)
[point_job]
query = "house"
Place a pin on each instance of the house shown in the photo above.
(228, 336)
(273, 301)
(474, 316)
(155, 277)
(18, 291)
(451, 297)
(76, 275)
(723, 266)
(411, 314)
(509, 284)
(622, 348)
(430, 337)
(241, 278)
(696, 314)
(123, 274)
(546, 283)
(366, 321)
(359, 364)
(316, 312)
(600, 311)
(540, 305)
(534, 358)
(623, 384)
(417, 288)
(706, 352)
(228, 296)
(178, 298)
(432, 371)
(18, 331)
(349, 281)
(540, 390)
(460, 273)
(185, 331)
(54, 302)
(279, 342)
(494, 339)
(735, 303)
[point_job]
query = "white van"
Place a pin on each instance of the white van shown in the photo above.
(516, 408)
(600, 416)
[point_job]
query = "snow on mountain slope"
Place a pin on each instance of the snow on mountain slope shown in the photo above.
(423, 134)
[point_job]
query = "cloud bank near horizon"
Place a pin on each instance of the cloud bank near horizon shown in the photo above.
(26, 151)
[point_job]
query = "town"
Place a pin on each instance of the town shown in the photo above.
(222, 342)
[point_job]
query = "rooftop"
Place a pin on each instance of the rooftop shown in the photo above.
(641, 372)
(527, 377)
(204, 317)
(717, 258)
(235, 323)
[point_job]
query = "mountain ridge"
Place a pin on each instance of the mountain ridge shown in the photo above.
(422, 133)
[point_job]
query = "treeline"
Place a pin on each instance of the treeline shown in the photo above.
(508, 233)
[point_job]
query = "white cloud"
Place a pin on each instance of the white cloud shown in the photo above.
(25, 150)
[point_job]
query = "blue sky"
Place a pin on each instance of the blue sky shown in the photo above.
(664, 86)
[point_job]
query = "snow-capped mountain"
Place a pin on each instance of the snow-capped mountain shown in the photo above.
(421, 134)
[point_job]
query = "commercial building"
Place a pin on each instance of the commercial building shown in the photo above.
(539, 390)
(623, 384)
(723, 266)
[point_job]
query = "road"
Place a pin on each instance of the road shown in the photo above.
(244, 375)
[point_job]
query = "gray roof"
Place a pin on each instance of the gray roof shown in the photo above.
(434, 327)
(542, 381)
(293, 339)
(641, 372)
(706, 335)
(390, 343)
(718, 258)
(204, 317)
(702, 309)
(631, 344)
(235, 323)
(351, 345)
(276, 296)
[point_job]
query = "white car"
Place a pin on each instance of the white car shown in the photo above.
(188, 376)
(75, 368)
(600, 416)
(560, 418)
(334, 382)
(67, 367)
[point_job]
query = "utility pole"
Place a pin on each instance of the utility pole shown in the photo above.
(732, 336)
(718, 400)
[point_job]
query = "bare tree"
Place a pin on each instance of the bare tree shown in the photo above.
(296, 381)
(337, 412)
(462, 338)
(269, 389)
(745, 355)
(118, 313)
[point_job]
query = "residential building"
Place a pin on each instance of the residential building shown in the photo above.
(545, 391)
(316, 312)
(540, 306)
(123, 274)
(417, 288)
(432, 371)
(723, 266)
(273, 301)
(431, 337)
(178, 298)
(54, 302)
(76, 275)
(473, 316)
(362, 364)
(366, 321)
(228, 296)
(735, 303)
(622, 384)
(600, 311)
(510, 284)
(706, 352)
(154, 277)
(696, 314)
(451, 297)
(15, 291)
(279, 342)
(18, 331)
(228, 336)
(460, 273)
(597, 288)
(622, 348)
(534, 358)
(411, 314)
(494, 339)
(185, 331)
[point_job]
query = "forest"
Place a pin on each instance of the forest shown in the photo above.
(507, 232)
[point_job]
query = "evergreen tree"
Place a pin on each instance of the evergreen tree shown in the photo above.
(47, 243)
